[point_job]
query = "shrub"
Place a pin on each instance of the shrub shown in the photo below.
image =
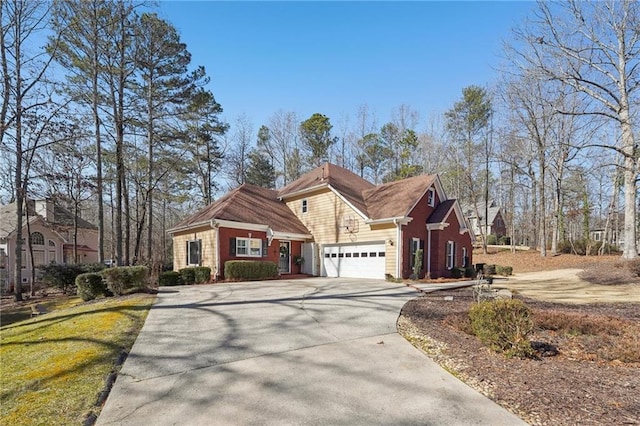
(503, 325)
(92, 267)
(249, 270)
(504, 240)
(188, 276)
(90, 285)
(61, 276)
(457, 272)
(492, 239)
(170, 278)
(202, 274)
(489, 269)
(469, 272)
(504, 270)
(124, 279)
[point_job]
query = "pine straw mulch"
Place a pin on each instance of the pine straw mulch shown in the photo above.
(577, 379)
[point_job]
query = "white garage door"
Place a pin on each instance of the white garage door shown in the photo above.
(354, 261)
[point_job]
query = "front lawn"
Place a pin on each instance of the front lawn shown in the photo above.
(53, 367)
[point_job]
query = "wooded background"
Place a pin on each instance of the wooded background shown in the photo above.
(113, 119)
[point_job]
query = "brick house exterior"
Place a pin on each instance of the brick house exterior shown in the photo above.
(339, 223)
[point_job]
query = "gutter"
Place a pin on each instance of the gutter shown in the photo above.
(398, 246)
(403, 220)
(304, 191)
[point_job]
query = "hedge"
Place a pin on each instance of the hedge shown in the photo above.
(61, 276)
(188, 276)
(202, 274)
(125, 279)
(170, 278)
(195, 275)
(90, 285)
(250, 270)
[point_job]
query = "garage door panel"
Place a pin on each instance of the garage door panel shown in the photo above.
(355, 261)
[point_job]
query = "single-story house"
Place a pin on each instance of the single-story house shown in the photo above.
(340, 225)
(51, 238)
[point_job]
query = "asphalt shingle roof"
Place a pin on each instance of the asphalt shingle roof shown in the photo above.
(249, 204)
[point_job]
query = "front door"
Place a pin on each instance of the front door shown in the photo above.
(285, 257)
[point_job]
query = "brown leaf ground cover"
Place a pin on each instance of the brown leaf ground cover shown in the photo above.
(587, 370)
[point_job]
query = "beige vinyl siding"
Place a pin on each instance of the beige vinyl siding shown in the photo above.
(209, 251)
(324, 219)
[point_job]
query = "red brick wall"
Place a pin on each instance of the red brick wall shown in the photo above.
(273, 251)
(439, 247)
(417, 229)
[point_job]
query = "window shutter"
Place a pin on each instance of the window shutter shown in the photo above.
(412, 255)
(199, 252)
(187, 251)
(424, 258)
(232, 246)
(265, 247)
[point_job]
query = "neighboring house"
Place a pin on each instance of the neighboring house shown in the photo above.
(339, 223)
(51, 239)
(496, 222)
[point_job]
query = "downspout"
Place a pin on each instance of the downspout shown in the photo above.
(399, 244)
(216, 253)
(428, 253)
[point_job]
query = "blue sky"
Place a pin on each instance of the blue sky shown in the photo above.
(331, 57)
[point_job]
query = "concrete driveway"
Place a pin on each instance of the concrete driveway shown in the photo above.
(313, 351)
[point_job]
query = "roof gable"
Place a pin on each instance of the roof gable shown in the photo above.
(347, 184)
(248, 204)
(443, 211)
(61, 217)
(398, 198)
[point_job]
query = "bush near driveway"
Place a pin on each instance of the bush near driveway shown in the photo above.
(54, 366)
(250, 270)
(90, 286)
(126, 279)
(170, 278)
(504, 326)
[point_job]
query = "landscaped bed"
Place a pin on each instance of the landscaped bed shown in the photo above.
(54, 367)
(586, 369)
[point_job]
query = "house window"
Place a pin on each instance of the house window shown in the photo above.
(38, 257)
(194, 252)
(465, 259)
(251, 247)
(305, 206)
(36, 239)
(451, 254)
(431, 197)
(52, 243)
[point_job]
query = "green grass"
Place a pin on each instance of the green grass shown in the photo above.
(21, 313)
(52, 367)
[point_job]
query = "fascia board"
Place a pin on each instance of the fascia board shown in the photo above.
(304, 191)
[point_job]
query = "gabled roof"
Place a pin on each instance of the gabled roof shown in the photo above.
(441, 212)
(248, 204)
(493, 213)
(348, 184)
(395, 199)
(61, 217)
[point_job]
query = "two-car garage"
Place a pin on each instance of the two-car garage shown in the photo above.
(365, 260)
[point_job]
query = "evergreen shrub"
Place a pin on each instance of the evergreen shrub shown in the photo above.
(125, 279)
(90, 285)
(250, 270)
(170, 278)
(503, 325)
